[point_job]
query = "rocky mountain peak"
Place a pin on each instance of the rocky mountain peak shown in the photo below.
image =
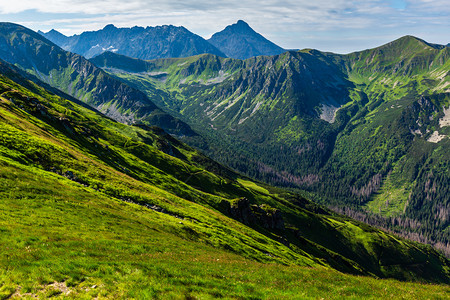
(241, 26)
(109, 27)
(240, 41)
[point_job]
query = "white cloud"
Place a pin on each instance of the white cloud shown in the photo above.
(286, 22)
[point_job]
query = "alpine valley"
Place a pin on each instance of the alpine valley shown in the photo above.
(109, 185)
(366, 133)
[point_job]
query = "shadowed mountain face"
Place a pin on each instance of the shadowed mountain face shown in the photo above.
(139, 42)
(368, 130)
(241, 41)
(79, 78)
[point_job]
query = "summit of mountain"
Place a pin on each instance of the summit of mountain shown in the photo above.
(240, 41)
(55, 36)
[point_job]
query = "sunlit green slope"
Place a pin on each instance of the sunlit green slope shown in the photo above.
(94, 207)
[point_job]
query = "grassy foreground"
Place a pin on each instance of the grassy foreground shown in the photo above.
(94, 208)
(59, 239)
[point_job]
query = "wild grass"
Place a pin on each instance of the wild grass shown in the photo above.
(94, 208)
(54, 231)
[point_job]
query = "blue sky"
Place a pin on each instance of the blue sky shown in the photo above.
(340, 26)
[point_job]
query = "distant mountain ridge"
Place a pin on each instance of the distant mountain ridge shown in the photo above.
(139, 42)
(235, 41)
(78, 77)
(241, 41)
(55, 36)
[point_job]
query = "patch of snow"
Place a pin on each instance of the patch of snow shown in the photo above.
(442, 86)
(113, 112)
(417, 131)
(255, 109)
(442, 75)
(155, 73)
(232, 102)
(110, 48)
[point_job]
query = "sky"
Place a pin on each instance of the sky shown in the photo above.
(339, 26)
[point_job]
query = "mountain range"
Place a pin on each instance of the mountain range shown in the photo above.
(237, 41)
(99, 202)
(76, 76)
(296, 112)
(139, 42)
(310, 120)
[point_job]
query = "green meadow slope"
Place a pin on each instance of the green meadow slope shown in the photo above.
(95, 208)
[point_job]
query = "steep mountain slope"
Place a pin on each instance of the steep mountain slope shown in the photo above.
(78, 77)
(121, 203)
(241, 41)
(145, 43)
(364, 130)
(406, 86)
(264, 106)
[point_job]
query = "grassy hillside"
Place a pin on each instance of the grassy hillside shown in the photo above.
(59, 239)
(98, 208)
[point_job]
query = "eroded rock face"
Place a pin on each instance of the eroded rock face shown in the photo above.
(252, 214)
